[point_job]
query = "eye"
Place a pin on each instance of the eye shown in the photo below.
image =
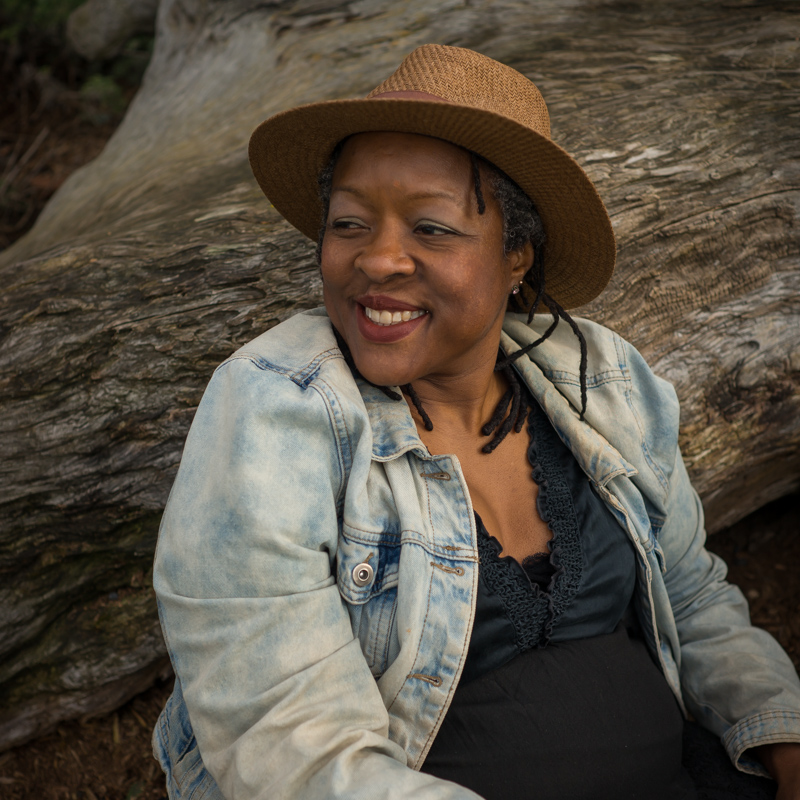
(347, 224)
(434, 229)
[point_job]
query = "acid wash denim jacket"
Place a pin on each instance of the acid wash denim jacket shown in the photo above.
(317, 571)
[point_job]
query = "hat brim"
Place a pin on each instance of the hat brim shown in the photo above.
(288, 151)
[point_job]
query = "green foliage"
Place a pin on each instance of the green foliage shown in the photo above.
(128, 67)
(21, 19)
(103, 99)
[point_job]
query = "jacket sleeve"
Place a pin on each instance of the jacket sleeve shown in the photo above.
(736, 679)
(280, 697)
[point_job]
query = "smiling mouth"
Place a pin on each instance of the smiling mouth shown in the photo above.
(386, 318)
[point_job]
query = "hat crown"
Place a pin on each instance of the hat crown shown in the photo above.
(470, 79)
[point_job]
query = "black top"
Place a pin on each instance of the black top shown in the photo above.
(580, 590)
(559, 697)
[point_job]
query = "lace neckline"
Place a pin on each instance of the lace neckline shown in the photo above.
(536, 592)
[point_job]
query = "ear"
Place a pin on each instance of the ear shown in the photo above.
(520, 262)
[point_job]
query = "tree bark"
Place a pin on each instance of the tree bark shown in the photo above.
(157, 260)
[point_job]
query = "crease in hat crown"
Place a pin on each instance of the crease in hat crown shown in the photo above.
(461, 76)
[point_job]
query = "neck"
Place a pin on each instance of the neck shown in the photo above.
(461, 405)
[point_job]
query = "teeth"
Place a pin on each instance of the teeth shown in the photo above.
(391, 317)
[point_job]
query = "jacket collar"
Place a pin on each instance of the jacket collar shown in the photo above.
(598, 458)
(393, 430)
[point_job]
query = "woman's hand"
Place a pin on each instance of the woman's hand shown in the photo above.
(782, 760)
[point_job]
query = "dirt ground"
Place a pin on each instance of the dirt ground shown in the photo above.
(37, 158)
(106, 758)
(47, 130)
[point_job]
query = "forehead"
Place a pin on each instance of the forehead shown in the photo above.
(434, 158)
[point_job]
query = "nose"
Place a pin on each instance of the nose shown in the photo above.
(385, 254)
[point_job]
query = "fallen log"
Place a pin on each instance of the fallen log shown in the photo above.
(157, 260)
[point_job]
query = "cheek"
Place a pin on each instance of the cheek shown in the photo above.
(333, 307)
(332, 285)
(331, 267)
(486, 281)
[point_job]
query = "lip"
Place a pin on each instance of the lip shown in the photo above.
(386, 334)
(382, 302)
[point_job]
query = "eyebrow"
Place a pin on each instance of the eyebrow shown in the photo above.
(423, 195)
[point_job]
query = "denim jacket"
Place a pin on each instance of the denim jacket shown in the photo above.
(317, 571)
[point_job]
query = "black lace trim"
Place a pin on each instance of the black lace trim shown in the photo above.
(525, 604)
(557, 510)
(532, 610)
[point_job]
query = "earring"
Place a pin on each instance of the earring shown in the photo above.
(515, 290)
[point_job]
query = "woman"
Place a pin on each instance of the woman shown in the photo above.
(420, 547)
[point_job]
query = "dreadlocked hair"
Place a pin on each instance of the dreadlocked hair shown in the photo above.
(518, 413)
(521, 224)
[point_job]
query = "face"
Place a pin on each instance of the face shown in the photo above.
(414, 278)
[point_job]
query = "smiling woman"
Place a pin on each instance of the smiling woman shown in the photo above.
(436, 540)
(391, 247)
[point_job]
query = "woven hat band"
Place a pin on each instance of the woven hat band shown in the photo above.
(408, 95)
(460, 76)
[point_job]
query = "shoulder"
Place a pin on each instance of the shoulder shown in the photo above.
(611, 359)
(284, 363)
(265, 464)
(297, 348)
(288, 389)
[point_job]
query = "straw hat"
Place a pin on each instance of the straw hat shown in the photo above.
(476, 103)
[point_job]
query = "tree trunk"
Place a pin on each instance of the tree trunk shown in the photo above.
(157, 260)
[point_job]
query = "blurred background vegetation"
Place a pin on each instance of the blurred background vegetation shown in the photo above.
(57, 108)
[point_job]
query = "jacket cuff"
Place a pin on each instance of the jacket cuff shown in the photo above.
(768, 727)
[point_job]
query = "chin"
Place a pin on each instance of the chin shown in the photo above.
(383, 364)
(381, 373)
(386, 377)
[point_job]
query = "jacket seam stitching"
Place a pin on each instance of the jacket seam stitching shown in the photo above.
(345, 462)
(385, 655)
(374, 646)
(419, 642)
(418, 539)
(297, 376)
(382, 534)
(592, 381)
(313, 366)
(735, 738)
(430, 516)
(256, 361)
(446, 704)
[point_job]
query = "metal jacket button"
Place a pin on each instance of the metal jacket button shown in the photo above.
(363, 574)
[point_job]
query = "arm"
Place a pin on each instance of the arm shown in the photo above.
(736, 679)
(279, 694)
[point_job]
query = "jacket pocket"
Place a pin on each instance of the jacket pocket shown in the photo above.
(366, 574)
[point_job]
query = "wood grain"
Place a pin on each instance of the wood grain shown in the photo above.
(156, 261)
